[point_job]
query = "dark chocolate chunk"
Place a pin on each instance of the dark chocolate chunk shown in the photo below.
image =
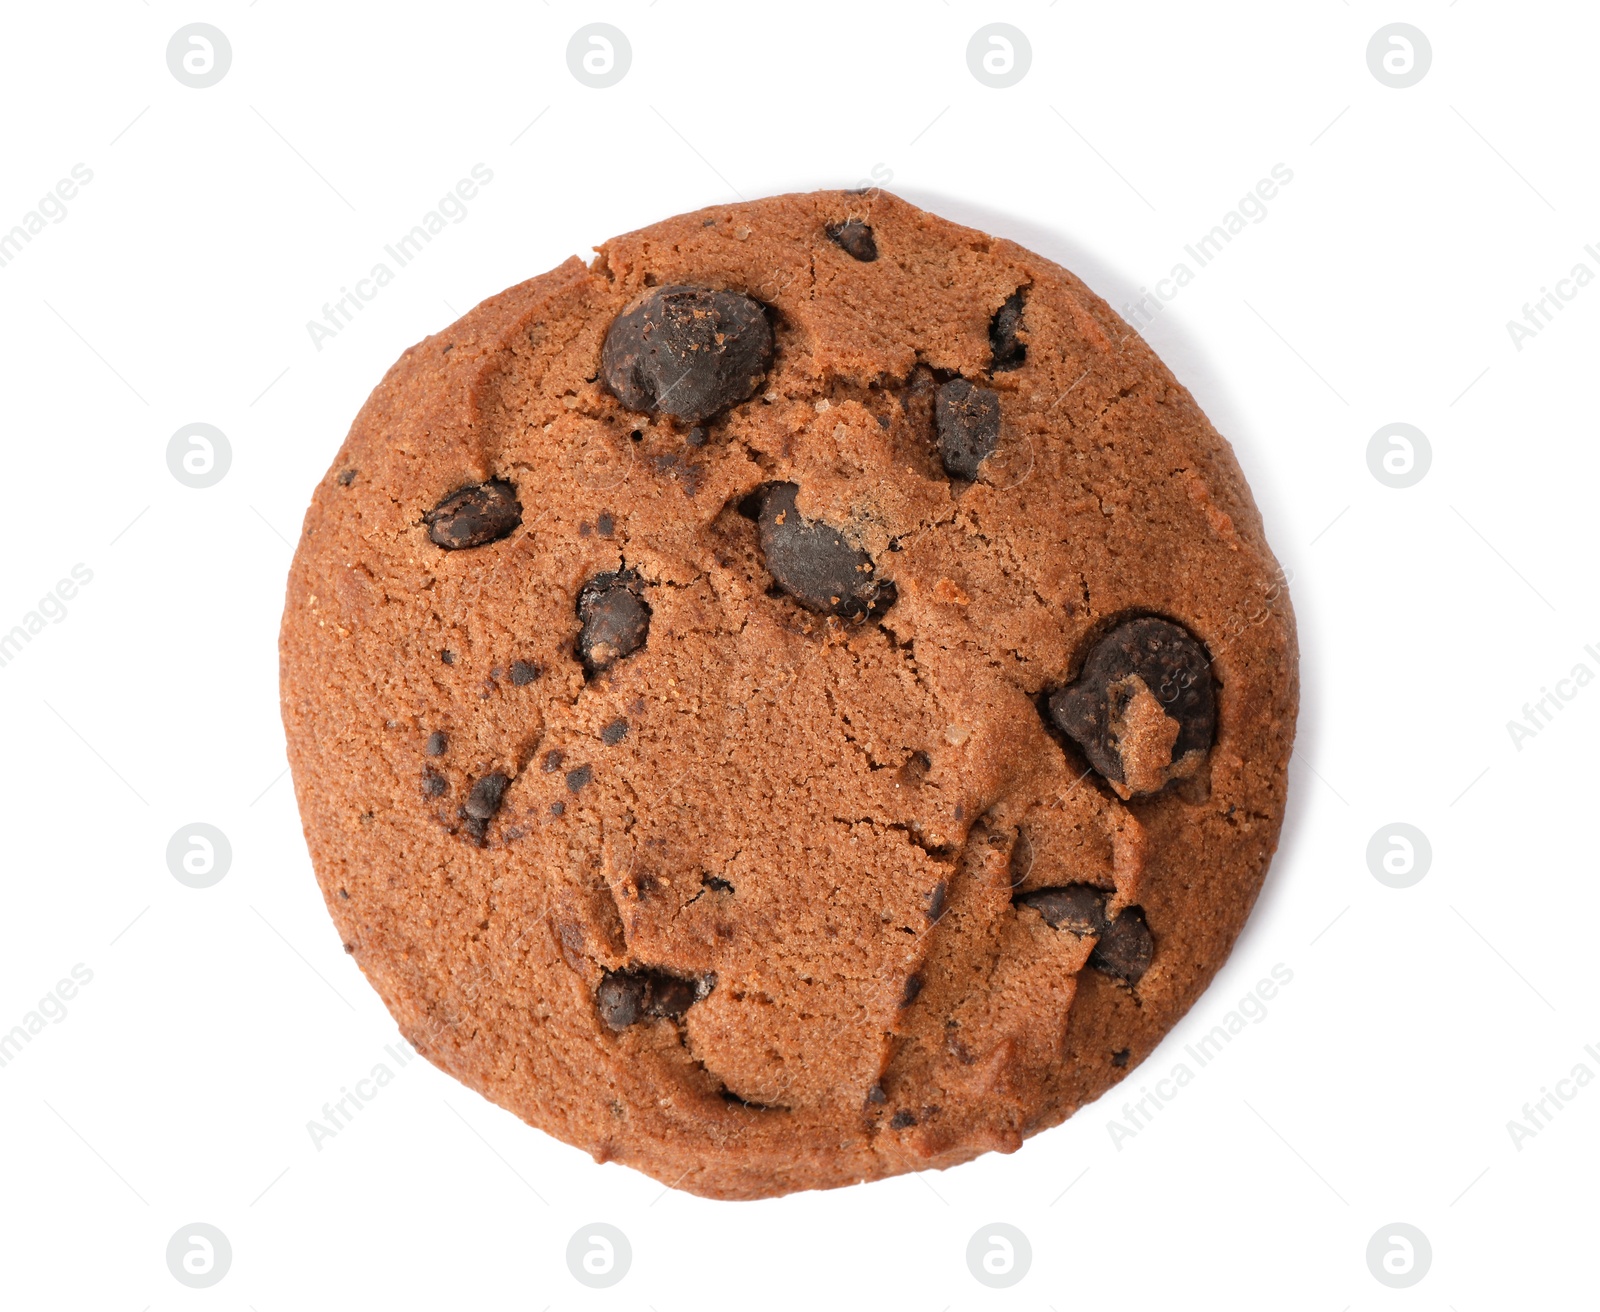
(936, 900)
(1125, 949)
(629, 995)
(620, 997)
(558, 808)
(903, 1119)
(1139, 655)
(437, 742)
(474, 515)
(448, 657)
(1120, 1057)
(433, 783)
(688, 352)
(552, 760)
(524, 673)
(1080, 908)
(604, 525)
(346, 477)
(670, 995)
(855, 239)
(577, 778)
(967, 420)
(614, 733)
(484, 799)
(1008, 349)
(814, 564)
(615, 619)
(913, 987)
(876, 1094)
(715, 884)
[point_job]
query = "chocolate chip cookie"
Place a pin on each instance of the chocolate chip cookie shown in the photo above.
(801, 698)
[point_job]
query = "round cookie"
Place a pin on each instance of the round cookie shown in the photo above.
(803, 698)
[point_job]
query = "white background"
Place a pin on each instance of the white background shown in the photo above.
(1419, 1021)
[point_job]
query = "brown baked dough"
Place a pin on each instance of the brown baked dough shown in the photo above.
(718, 791)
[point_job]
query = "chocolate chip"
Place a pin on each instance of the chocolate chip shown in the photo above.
(346, 477)
(813, 562)
(1125, 949)
(1120, 1057)
(1008, 350)
(936, 901)
(558, 808)
(433, 783)
(670, 995)
(604, 525)
(1080, 908)
(688, 352)
(967, 419)
(552, 760)
(615, 619)
(715, 885)
(855, 239)
(903, 1119)
(614, 733)
(524, 673)
(620, 998)
(696, 436)
(437, 742)
(626, 996)
(876, 1094)
(448, 657)
(474, 515)
(577, 778)
(913, 987)
(1139, 671)
(484, 799)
